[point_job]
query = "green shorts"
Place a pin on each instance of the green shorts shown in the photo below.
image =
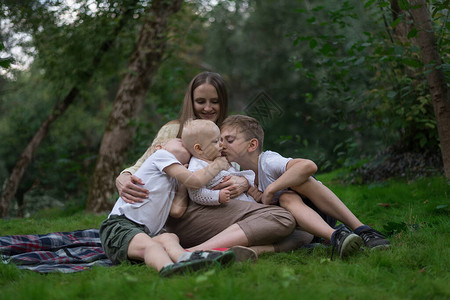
(116, 233)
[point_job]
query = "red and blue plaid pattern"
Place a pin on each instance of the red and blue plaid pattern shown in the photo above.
(65, 252)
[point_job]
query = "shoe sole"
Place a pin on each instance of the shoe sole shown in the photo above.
(227, 259)
(244, 254)
(380, 247)
(351, 244)
(190, 266)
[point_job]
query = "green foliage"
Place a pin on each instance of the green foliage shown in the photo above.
(250, 43)
(369, 81)
(63, 51)
(416, 267)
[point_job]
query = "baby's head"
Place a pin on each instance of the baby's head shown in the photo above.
(202, 139)
(175, 146)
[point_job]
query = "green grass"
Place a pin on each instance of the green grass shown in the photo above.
(416, 267)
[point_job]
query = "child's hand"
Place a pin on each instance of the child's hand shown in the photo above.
(255, 193)
(224, 196)
(267, 196)
(222, 163)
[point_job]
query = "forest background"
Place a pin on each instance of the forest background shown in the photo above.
(343, 83)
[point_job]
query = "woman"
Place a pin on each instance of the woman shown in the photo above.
(202, 227)
(205, 98)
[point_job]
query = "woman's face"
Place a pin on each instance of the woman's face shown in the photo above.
(206, 102)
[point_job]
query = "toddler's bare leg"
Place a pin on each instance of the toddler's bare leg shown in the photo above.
(144, 248)
(171, 244)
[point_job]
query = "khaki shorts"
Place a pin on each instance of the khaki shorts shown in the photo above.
(262, 224)
(116, 233)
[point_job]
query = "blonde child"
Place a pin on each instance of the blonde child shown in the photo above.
(135, 231)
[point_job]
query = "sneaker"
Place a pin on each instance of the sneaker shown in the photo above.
(190, 265)
(244, 253)
(374, 239)
(345, 241)
(223, 258)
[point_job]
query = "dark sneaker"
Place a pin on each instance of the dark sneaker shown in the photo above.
(345, 241)
(223, 258)
(374, 239)
(190, 265)
(244, 253)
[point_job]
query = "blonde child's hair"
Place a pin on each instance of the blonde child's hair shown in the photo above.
(248, 126)
(193, 131)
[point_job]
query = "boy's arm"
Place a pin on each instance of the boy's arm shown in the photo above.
(197, 179)
(297, 172)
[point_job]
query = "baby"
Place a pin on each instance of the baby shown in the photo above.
(202, 139)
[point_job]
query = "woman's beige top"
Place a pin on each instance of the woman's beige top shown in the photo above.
(167, 132)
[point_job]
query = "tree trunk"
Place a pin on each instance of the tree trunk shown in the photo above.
(60, 108)
(26, 156)
(426, 40)
(129, 100)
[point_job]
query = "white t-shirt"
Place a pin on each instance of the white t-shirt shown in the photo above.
(205, 195)
(153, 211)
(271, 166)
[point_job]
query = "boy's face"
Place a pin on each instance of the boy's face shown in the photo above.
(234, 143)
(210, 142)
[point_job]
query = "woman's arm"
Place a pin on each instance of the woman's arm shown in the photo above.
(131, 188)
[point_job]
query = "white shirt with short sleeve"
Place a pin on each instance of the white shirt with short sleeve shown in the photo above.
(206, 195)
(271, 165)
(153, 211)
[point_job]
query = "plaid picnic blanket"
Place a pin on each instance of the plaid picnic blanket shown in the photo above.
(65, 252)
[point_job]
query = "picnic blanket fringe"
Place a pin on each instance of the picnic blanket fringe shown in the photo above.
(65, 252)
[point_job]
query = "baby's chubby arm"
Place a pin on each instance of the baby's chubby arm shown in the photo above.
(197, 179)
(297, 172)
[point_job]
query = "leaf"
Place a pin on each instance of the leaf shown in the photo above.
(6, 62)
(403, 4)
(412, 62)
(368, 3)
(396, 22)
(412, 33)
(311, 20)
(312, 43)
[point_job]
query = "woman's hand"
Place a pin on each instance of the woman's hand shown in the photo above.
(235, 184)
(128, 187)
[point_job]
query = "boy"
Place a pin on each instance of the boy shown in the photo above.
(243, 137)
(132, 231)
(202, 139)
